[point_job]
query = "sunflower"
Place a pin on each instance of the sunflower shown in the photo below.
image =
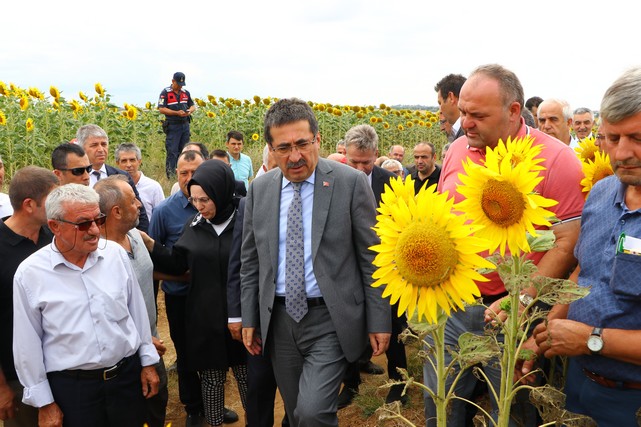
(428, 256)
(400, 127)
(99, 89)
(132, 112)
(372, 120)
(75, 106)
(24, 103)
(3, 89)
(29, 124)
(211, 114)
(3, 119)
(385, 125)
(595, 171)
(54, 92)
(501, 198)
(82, 96)
(255, 137)
(519, 150)
(587, 149)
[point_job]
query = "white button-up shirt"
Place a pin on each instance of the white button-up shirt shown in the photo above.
(67, 317)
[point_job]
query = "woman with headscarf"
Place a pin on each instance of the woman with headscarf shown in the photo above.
(203, 250)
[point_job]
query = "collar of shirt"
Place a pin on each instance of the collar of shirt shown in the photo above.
(57, 257)
(219, 228)
(310, 179)
(456, 126)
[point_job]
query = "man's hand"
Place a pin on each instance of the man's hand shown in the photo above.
(562, 337)
(379, 342)
(252, 342)
(160, 346)
(7, 402)
(50, 416)
(150, 381)
(523, 368)
(235, 328)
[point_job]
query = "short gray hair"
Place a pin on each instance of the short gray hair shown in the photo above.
(392, 162)
(362, 137)
(109, 192)
(125, 147)
(565, 107)
(87, 131)
(69, 193)
(583, 110)
(623, 97)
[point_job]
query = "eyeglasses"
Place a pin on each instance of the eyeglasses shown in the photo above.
(86, 225)
(194, 200)
(78, 171)
(302, 147)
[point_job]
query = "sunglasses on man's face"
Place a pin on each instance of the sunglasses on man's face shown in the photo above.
(78, 171)
(86, 225)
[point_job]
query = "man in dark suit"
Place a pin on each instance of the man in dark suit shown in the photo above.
(447, 90)
(309, 290)
(94, 140)
(361, 143)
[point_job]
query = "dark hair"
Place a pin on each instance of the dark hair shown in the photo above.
(203, 148)
(450, 83)
(60, 153)
(289, 110)
(510, 86)
(31, 182)
(218, 154)
(535, 101)
(190, 155)
(234, 134)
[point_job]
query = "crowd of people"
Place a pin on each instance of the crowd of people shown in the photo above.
(269, 274)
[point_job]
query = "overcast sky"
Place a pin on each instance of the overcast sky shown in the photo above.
(338, 51)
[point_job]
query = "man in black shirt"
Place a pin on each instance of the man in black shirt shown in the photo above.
(21, 234)
(427, 171)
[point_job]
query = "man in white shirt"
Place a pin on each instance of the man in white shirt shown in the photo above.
(129, 159)
(5, 204)
(82, 341)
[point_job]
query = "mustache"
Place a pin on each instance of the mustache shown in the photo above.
(629, 162)
(299, 163)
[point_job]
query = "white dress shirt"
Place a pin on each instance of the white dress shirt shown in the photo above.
(5, 205)
(150, 192)
(67, 317)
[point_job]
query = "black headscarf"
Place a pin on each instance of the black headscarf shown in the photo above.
(217, 180)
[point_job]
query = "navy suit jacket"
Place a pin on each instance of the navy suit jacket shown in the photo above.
(380, 177)
(143, 221)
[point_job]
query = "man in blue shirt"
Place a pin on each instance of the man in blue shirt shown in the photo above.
(241, 163)
(602, 331)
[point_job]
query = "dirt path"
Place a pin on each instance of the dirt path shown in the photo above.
(358, 414)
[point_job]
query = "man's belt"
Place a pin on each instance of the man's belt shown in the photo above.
(311, 302)
(99, 374)
(606, 382)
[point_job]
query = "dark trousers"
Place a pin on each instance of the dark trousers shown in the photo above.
(95, 402)
(157, 405)
(189, 389)
(261, 392)
(396, 357)
(177, 136)
(609, 407)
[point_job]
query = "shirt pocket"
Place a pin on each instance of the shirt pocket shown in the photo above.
(626, 276)
(115, 306)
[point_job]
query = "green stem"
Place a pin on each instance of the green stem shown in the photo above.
(440, 400)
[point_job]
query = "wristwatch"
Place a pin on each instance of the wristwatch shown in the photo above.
(525, 299)
(595, 342)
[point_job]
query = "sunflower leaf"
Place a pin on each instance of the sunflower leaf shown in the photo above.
(544, 241)
(558, 291)
(474, 349)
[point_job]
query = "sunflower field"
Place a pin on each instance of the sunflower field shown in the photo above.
(33, 123)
